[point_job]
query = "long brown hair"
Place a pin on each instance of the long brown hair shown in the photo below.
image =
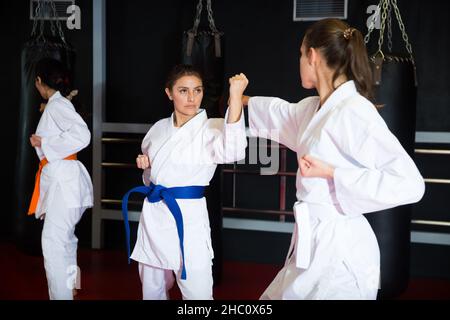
(344, 51)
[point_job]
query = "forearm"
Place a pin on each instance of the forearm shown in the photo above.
(234, 109)
(146, 176)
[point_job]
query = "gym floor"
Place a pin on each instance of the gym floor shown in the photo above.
(105, 275)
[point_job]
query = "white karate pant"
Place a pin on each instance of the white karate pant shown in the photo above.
(59, 247)
(157, 282)
(339, 284)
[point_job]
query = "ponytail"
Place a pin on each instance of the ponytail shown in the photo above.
(359, 68)
(344, 51)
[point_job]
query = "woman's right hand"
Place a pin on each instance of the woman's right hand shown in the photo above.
(35, 141)
(142, 161)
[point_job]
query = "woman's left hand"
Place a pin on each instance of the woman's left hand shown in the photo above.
(311, 167)
(238, 83)
(35, 140)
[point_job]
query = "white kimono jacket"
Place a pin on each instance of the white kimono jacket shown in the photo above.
(63, 133)
(373, 172)
(185, 156)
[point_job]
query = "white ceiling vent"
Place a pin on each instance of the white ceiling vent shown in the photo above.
(50, 9)
(310, 10)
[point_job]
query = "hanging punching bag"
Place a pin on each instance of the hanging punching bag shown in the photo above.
(27, 229)
(395, 97)
(204, 50)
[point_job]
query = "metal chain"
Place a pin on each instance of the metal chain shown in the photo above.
(383, 26)
(387, 6)
(198, 16)
(372, 24)
(212, 25)
(402, 29)
(52, 27)
(58, 23)
(389, 24)
(386, 14)
(37, 11)
(41, 30)
(52, 24)
(42, 23)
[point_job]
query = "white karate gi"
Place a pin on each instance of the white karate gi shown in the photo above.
(185, 156)
(65, 191)
(335, 253)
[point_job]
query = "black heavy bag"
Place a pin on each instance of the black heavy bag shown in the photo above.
(27, 228)
(204, 50)
(395, 97)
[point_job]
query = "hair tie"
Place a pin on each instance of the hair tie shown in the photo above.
(72, 94)
(348, 33)
(42, 107)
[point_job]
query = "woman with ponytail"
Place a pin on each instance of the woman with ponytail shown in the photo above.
(349, 164)
(63, 187)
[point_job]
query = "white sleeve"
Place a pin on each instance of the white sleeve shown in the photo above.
(274, 119)
(74, 136)
(145, 147)
(226, 142)
(146, 176)
(385, 176)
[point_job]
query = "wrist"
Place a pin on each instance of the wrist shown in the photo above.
(235, 97)
(331, 172)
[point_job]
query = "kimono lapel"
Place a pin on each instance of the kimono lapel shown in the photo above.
(337, 99)
(177, 136)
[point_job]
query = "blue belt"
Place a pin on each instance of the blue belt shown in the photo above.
(156, 193)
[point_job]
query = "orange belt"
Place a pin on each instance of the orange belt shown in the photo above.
(35, 197)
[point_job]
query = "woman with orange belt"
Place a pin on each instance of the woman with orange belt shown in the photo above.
(63, 188)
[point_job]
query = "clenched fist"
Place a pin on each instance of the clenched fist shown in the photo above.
(142, 161)
(238, 83)
(35, 140)
(311, 167)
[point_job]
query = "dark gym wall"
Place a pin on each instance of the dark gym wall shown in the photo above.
(10, 23)
(261, 40)
(142, 45)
